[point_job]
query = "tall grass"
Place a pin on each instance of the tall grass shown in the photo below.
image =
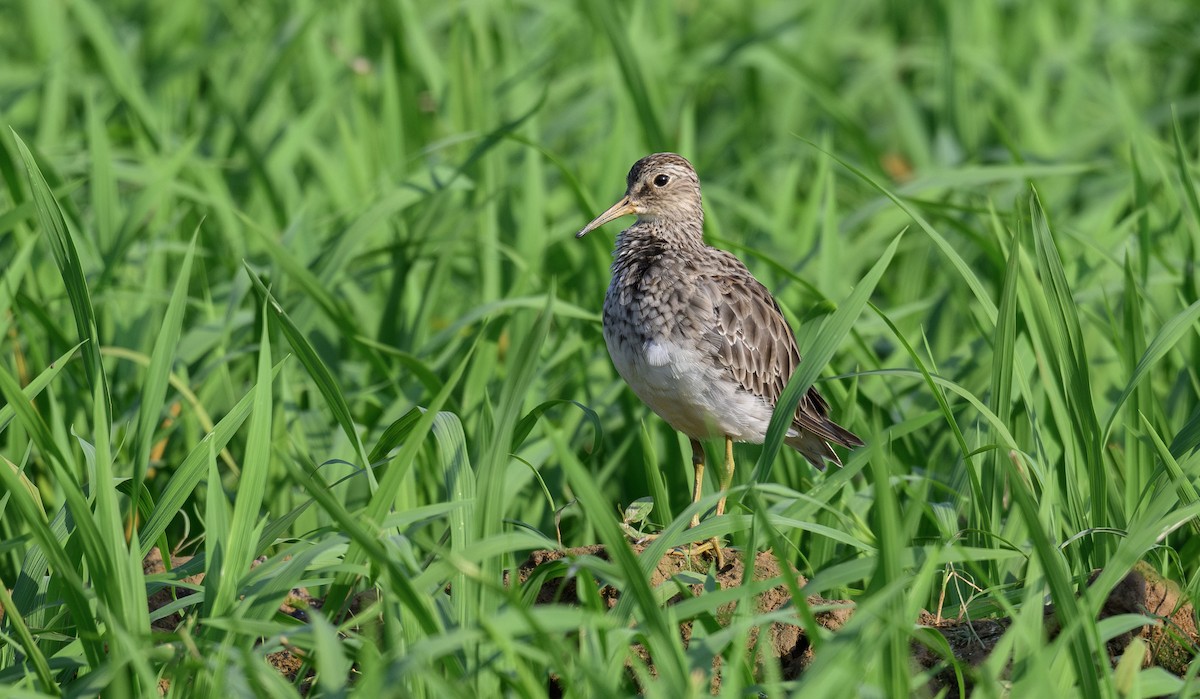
(291, 289)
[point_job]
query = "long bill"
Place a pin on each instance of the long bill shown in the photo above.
(621, 208)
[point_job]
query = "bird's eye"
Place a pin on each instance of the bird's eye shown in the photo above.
(661, 181)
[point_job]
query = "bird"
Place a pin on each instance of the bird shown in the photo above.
(699, 340)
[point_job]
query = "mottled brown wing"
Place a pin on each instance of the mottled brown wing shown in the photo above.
(753, 340)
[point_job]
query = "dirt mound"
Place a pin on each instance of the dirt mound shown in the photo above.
(788, 642)
(1171, 644)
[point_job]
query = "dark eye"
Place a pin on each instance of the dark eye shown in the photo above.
(661, 181)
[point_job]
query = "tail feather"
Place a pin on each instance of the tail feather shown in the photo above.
(843, 436)
(817, 450)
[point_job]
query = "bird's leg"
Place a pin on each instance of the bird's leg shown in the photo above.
(698, 460)
(698, 465)
(728, 478)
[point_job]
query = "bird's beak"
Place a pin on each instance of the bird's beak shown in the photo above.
(621, 208)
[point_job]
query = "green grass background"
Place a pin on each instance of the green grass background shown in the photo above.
(297, 281)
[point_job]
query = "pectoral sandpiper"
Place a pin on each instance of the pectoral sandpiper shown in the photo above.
(695, 336)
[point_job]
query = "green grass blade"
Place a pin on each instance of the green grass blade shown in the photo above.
(123, 589)
(1187, 438)
(320, 374)
(1185, 175)
(246, 521)
(460, 487)
(154, 391)
(1070, 353)
(61, 244)
(216, 536)
(1180, 326)
(16, 623)
(823, 347)
(1004, 362)
(35, 387)
(10, 281)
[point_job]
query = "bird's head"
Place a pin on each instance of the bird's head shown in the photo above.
(659, 186)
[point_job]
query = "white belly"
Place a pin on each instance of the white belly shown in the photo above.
(688, 390)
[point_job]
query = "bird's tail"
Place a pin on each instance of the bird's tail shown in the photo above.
(817, 449)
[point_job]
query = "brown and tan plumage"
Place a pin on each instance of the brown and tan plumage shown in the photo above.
(693, 333)
(757, 348)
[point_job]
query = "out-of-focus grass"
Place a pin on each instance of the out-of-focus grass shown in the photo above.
(301, 277)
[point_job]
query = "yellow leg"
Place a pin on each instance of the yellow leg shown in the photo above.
(728, 478)
(698, 465)
(697, 461)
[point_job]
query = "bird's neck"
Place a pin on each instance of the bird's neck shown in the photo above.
(652, 236)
